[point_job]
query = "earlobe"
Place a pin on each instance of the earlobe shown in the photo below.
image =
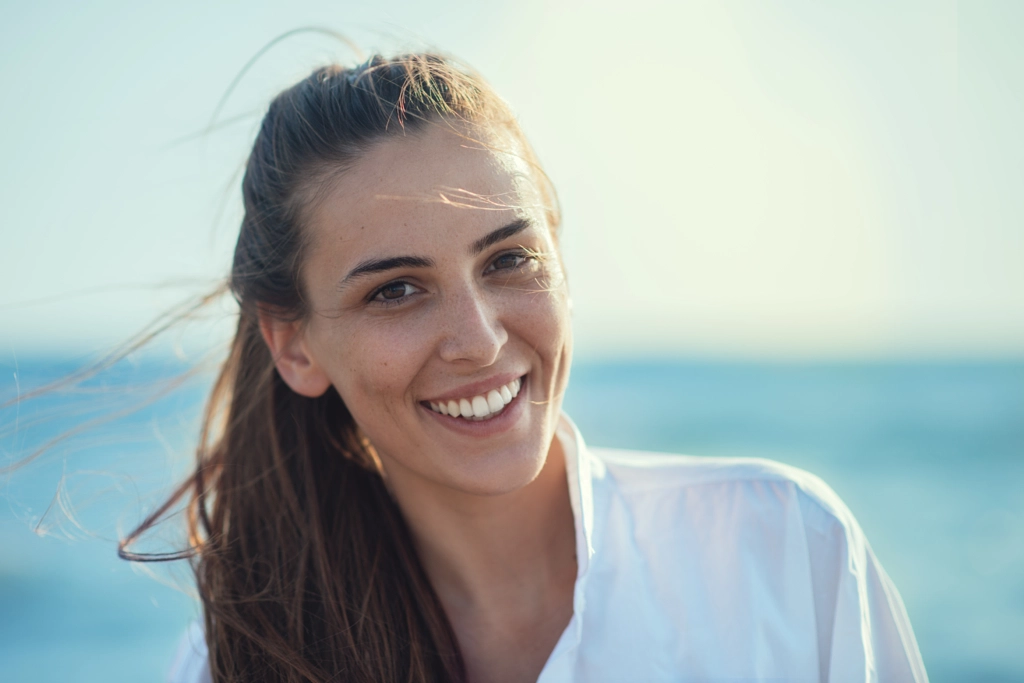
(289, 347)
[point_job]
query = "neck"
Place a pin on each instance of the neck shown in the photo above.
(490, 552)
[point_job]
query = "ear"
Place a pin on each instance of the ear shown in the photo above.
(289, 347)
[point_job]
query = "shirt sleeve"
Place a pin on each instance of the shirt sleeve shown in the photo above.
(864, 634)
(191, 662)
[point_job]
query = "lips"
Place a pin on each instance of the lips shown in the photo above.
(483, 406)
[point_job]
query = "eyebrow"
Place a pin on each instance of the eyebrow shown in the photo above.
(381, 264)
(513, 228)
(371, 266)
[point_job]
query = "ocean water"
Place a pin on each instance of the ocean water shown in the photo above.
(929, 456)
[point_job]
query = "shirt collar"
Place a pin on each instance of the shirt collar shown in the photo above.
(579, 476)
(581, 492)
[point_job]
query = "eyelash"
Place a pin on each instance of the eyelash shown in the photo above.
(525, 256)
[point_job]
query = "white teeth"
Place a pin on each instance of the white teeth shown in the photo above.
(479, 407)
(494, 401)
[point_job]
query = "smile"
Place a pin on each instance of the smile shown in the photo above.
(480, 407)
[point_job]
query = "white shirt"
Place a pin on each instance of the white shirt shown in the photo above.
(701, 570)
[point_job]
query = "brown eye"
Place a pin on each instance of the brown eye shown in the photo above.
(394, 294)
(394, 290)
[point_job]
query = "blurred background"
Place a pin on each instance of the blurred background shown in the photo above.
(793, 230)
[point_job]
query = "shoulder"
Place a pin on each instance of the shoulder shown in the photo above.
(191, 661)
(750, 487)
(748, 549)
(733, 526)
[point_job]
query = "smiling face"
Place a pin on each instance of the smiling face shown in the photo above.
(435, 287)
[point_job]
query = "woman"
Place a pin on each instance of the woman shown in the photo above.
(387, 489)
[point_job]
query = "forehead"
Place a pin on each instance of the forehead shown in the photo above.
(431, 187)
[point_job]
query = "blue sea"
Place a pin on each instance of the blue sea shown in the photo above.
(928, 455)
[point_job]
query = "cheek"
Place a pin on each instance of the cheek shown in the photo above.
(542, 319)
(372, 366)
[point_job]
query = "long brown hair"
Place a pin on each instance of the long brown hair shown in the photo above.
(305, 567)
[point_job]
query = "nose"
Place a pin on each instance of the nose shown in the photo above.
(473, 330)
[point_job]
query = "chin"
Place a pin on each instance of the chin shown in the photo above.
(500, 473)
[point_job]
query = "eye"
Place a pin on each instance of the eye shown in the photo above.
(393, 293)
(508, 261)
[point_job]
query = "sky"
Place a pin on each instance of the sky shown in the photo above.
(741, 179)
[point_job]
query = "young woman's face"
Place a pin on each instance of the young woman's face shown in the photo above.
(435, 288)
